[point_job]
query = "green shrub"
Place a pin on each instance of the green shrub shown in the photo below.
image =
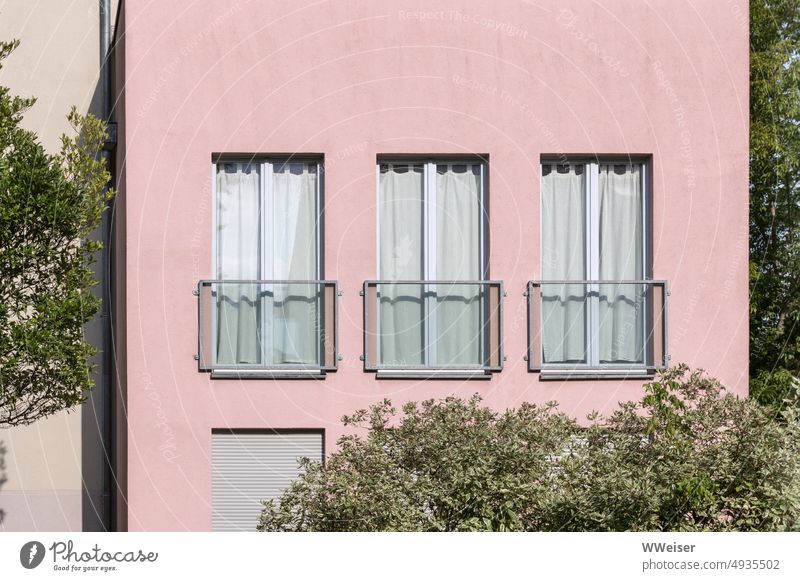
(688, 456)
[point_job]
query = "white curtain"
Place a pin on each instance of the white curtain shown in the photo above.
(238, 257)
(458, 239)
(295, 307)
(267, 324)
(401, 308)
(620, 333)
(564, 306)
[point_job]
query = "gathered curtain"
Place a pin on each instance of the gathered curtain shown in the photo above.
(430, 324)
(238, 257)
(459, 325)
(401, 320)
(267, 324)
(295, 307)
(564, 306)
(621, 314)
(617, 308)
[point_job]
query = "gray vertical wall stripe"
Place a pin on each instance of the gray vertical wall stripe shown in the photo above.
(250, 467)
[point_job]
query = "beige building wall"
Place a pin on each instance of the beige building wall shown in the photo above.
(48, 486)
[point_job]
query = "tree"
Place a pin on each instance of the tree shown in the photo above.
(774, 200)
(49, 206)
(687, 456)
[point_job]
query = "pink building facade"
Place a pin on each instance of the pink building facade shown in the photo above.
(528, 201)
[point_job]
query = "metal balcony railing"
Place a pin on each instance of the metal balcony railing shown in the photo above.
(430, 326)
(268, 325)
(597, 325)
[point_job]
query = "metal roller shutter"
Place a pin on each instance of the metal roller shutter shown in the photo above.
(251, 466)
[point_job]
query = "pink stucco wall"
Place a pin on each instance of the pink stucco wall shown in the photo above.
(353, 80)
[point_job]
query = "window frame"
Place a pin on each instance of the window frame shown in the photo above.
(592, 163)
(429, 234)
(266, 249)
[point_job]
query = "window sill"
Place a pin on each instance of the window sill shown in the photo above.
(268, 374)
(594, 374)
(479, 374)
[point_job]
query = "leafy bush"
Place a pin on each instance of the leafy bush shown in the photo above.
(687, 457)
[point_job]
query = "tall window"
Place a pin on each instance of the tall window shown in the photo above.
(431, 228)
(267, 222)
(593, 231)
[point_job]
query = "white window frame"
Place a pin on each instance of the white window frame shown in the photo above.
(429, 237)
(266, 250)
(592, 237)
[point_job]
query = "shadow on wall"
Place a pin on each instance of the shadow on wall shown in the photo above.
(2, 476)
(96, 478)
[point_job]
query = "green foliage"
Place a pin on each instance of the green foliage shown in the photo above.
(688, 456)
(446, 466)
(778, 390)
(49, 206)
(774, 196)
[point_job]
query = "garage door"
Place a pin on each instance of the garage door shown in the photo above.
(251, 466)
